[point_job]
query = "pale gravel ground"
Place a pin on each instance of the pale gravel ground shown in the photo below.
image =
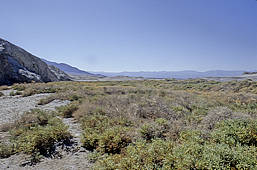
(11, 107)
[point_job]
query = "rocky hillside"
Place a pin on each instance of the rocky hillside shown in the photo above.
(67, 68)
(18, 65)
(71, 70)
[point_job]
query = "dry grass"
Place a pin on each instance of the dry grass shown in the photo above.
(188, 102)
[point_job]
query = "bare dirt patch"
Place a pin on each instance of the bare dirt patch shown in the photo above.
(11, 107)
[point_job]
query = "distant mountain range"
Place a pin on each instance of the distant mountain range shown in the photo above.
(70, 69)
(175, 74)
(147, 74)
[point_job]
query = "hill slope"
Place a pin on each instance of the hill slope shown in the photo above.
(18, 65)
(69, 69)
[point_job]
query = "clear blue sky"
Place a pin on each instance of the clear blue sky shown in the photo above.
(136, 35)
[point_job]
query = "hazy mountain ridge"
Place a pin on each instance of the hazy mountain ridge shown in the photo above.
(70, 69)
(176, 74)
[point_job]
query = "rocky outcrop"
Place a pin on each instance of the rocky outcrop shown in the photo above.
(18, 65)
(61, 75)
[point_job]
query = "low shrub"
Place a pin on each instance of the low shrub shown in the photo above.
(231, 145)
(156, 129)
(140, 155)
(236, 132)
(19, 87)
(36, 133)
(106, 135)
(46, 100)
(14, 93)
(6, 150)
(55, 96)
(214, 116)
(27, 120)
(28, 92)
(38, 90)
(31, 118)
(74, 97)
(218, 156)
(193, 151)
(48, 90)
(1, 94)
(68, 110)
(192, 136)
(193, 155)
(41, 139)
(113, 140)
(88, 108)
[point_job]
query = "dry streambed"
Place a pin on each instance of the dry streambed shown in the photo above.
(12, 107)
(74, 157)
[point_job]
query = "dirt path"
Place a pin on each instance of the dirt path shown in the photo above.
(73, 158)
(74, 129)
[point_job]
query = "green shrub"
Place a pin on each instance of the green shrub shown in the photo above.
(90, 140)
(48, 90)
(12, 93)
(156, 129)
(249, 108)
(68, 110)
(113, 140)
(192, 136)
(6, 150)
(41, 139)
(74, 97)
(106, 135)
(186, 155)
(193, 155)
(140, 155)
(229, 146)
(36, 132)
(194, 150)
(1, 94)
(33, 118)
(161, 154)
(37, 90)
(28, 120)
(236, 132)
(99, 122)
(218, 156)
(19, 87)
